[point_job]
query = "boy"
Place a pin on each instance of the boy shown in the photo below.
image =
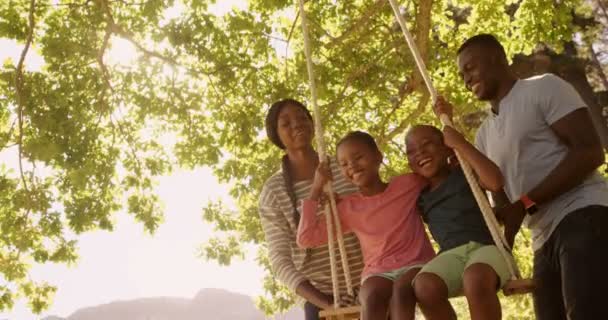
(468, 261)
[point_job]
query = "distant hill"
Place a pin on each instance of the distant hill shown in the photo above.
(208, 304)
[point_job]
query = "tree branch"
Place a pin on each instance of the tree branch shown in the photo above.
(104, 69)
(424, 100)
(356, 74)
(293, 26)
(120, 31)
(8, 136)
(415, 82)
(117, 29)
(19, 86)
(423, 29)
(598, 66)
(363, 21)
(602, 8)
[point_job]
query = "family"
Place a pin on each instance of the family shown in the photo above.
(536, 153)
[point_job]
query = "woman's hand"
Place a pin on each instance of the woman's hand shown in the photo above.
(344, 301)
(322, 176)
(327, 302)
(307, 291)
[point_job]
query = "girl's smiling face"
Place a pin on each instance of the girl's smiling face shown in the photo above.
(359, 162)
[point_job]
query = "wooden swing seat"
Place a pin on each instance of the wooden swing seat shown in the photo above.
(518, 286)
(346, 313)
(512, 287)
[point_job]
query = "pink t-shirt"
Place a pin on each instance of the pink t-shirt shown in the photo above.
(388, 225)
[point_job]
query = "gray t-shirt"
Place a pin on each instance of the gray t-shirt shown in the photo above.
(521, 142)
(452, 213)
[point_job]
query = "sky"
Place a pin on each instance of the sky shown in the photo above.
(128, 263)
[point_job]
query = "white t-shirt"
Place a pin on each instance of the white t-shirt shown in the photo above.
(521, 142)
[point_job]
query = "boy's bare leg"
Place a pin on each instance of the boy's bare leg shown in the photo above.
(480, 283)
(432, 296)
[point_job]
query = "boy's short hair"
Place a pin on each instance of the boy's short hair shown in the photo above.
(434, 129)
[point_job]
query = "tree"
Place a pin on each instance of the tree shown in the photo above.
(92, 136)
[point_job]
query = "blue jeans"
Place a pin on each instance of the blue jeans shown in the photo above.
(571, 268)
(311, 312)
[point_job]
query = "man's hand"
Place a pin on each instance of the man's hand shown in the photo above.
(512, 215)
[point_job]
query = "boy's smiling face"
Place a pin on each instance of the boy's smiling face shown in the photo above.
(426, 153)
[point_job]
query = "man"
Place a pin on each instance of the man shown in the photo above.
(539, 132)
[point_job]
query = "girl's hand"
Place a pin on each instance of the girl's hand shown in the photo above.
(324, 198)
(452, 138)
(322, 176)
(442, 106)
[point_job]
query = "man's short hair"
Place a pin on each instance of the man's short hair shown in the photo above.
(484, 40)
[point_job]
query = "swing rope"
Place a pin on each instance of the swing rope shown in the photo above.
(331, 212)
(482, 201)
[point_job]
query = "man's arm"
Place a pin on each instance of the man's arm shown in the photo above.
(584, 156)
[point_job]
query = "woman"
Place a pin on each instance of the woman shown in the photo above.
(305, 271)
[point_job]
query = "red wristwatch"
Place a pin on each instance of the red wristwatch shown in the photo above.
(529, 204)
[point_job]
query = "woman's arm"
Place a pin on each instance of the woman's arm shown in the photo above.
(278, 237)
(306, 290)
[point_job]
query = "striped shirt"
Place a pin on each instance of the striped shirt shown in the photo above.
(291, 264)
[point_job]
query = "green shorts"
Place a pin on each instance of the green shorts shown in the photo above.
(393, 275)
(450, 265)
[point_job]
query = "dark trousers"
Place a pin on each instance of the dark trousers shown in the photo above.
(311, 312)
(571, 268)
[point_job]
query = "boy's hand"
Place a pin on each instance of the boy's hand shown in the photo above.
(452, 138)
(322, 176)
(442, 106)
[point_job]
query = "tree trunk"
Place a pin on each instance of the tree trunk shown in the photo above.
(572, 69)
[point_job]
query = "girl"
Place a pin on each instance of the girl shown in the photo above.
(306, 272)
(384, 218)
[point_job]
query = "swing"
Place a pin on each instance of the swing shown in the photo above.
(516, 285)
